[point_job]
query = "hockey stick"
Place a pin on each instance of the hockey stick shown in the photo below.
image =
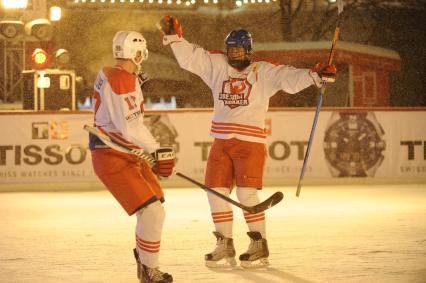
(116, 144)
(322, 91)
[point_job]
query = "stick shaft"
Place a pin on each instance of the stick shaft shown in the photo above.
(322, 91)
(311, 138)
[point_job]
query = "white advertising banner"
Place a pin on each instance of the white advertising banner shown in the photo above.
(46, 148)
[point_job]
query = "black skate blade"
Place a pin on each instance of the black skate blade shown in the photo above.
(266, 204)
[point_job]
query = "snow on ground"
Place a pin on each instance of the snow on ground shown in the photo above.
(329, 234)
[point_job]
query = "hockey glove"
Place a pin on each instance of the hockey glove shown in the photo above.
(327, 73)
(143, 78)
(171, 29)
(165, 161)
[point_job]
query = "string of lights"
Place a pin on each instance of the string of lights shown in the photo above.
(237, 3)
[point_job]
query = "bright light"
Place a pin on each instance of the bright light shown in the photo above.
(14, 4)
(238, 3)
(55, 13)
(39, 57)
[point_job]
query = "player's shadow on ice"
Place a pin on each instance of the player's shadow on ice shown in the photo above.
(271, 275)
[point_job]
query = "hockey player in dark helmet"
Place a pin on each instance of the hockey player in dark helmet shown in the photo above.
(241, 89)
(238, 48)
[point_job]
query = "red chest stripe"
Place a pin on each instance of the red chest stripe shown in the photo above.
(235, 128)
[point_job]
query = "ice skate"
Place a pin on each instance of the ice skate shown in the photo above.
(224, 253)
(257, 253)
(150, 275)
(154, 275)
(138, 263)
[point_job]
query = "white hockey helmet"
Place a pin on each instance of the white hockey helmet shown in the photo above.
(126, 45)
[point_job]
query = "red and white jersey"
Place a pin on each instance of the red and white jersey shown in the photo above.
(118, 107)
(241, 98)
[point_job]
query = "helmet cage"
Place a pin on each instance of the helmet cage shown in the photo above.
(239, 38)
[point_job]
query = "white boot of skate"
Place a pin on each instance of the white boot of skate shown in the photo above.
(224, 253)
(257, 253)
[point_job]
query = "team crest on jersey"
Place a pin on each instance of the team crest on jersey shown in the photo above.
(235, 92)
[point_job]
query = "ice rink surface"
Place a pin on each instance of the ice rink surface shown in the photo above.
(329, 234)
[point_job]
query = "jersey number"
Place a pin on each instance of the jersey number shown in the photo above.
(131, 102)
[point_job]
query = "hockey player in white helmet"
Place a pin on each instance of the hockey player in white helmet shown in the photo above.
(241, 90)
(118, 112)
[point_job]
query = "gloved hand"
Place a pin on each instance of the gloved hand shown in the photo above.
(327, 73)
(165, 161)
(170, 28)
(169, 25)
(143, 78)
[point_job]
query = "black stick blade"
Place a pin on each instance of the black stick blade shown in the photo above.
(266, 204)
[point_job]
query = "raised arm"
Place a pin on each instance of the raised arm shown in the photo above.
(293, 80)
(189, 56)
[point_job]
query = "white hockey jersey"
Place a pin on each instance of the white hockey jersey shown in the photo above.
(119, 110)
(241, 98)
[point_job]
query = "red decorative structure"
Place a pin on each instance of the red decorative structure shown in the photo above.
(369, 67)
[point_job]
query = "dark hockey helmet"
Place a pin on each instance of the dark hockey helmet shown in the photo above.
(239, 38)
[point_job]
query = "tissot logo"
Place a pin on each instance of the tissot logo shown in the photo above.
(40, 130)
(53, 153)
(415, 149)
(235, 92)
(53, 130)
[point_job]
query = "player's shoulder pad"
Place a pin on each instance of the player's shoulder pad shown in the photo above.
(121, 82)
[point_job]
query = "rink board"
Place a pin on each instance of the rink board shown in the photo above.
(51, 147)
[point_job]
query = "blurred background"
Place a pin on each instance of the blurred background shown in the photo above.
(380, 56)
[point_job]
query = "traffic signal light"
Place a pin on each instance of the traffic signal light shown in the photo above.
(39, 59)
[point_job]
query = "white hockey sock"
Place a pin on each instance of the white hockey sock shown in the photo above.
(255, 222)
(221, 212)
(149, 227)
